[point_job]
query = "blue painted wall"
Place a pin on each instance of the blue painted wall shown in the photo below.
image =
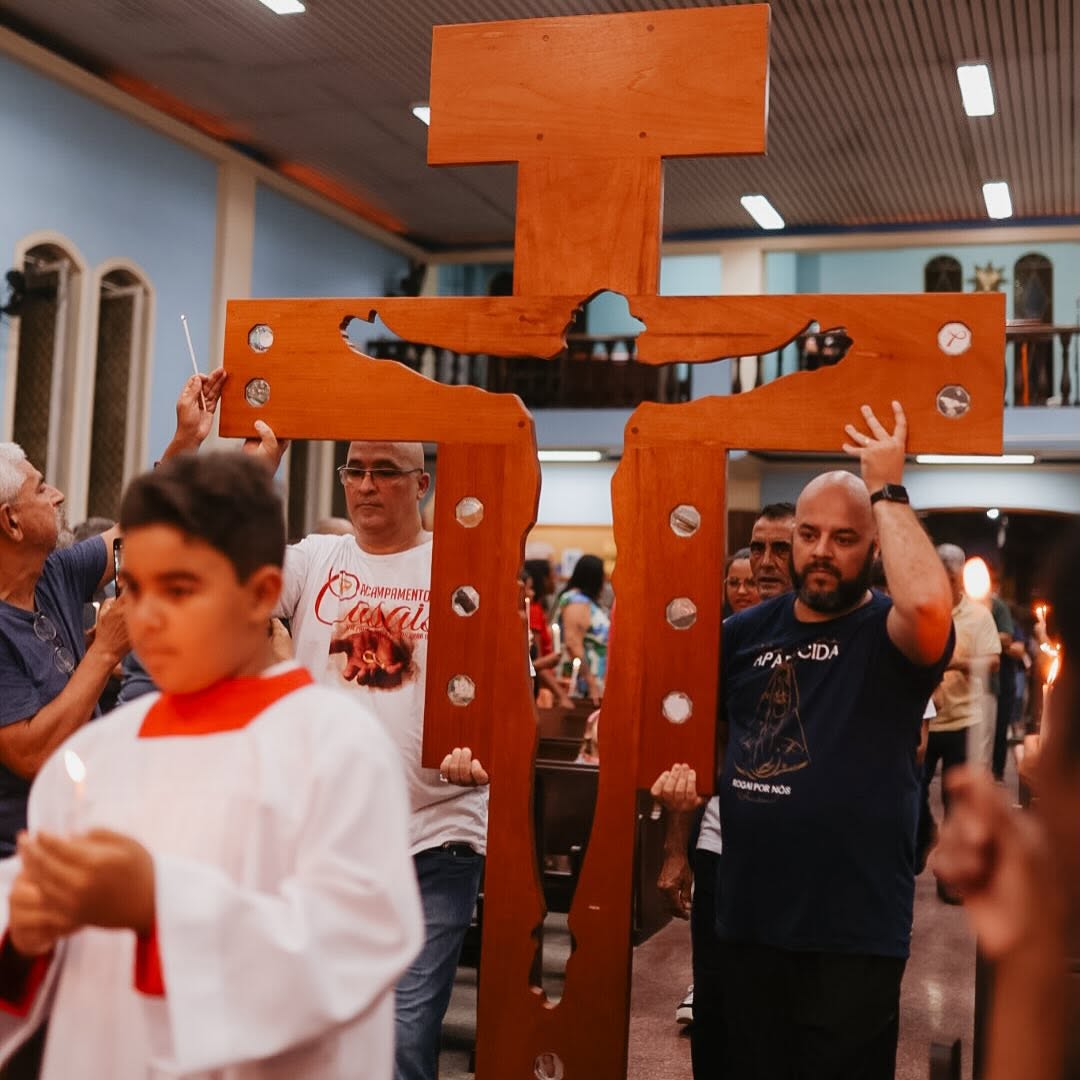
(300, 252)
(117, 190)
(901, 270)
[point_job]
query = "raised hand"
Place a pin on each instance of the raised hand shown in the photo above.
(881, 455)
(195, 408)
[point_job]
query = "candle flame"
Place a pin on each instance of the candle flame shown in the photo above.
(976, 579)
(75, 767)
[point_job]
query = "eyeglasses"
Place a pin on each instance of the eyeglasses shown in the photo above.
(737, 583)
(351, 474)
(45, 631)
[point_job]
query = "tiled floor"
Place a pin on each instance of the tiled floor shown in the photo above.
(937, 998)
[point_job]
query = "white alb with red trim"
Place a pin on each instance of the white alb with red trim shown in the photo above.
(286, 902)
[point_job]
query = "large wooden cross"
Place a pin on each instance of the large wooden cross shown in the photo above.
(588, 108)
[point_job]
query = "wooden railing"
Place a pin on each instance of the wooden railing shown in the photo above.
(590, 373)
(1041, 363)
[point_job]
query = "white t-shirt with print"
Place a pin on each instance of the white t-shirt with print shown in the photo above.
(360, 622)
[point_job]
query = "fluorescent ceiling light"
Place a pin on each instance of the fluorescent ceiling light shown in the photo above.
(762, 211)
(974, 459)
(284, 7)
(422, 113)
(976, 89)
(570, 455)
(998, 200)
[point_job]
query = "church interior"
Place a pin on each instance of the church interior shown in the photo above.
(166, 160)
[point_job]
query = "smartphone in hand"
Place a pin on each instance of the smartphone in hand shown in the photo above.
(117, 554)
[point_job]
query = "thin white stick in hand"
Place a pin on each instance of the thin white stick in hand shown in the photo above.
(191, 353)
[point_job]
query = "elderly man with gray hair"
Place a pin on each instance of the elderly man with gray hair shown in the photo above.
(961, 697)
(51, 681)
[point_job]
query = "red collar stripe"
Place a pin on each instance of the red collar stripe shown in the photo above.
(226, 706)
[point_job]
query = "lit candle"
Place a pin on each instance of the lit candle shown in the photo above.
(556, 638)
(76, 769)
(575, 669)
(1051, 675)
(976, 579)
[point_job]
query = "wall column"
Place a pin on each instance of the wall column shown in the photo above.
(234, 247)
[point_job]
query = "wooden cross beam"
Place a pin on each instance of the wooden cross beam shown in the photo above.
(588, 108)
(589, 147)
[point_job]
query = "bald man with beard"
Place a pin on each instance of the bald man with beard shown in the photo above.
(823, 694)
(359, 606)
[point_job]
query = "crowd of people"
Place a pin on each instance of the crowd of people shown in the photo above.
(246, 868)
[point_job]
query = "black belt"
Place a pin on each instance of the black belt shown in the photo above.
(462, 851)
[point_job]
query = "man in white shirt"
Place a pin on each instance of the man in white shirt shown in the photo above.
(962, 708)
(359, 608)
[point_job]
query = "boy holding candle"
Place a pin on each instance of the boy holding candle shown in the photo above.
(231, 888)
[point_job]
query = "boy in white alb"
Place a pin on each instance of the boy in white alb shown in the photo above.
(216, 881)
(359, 610)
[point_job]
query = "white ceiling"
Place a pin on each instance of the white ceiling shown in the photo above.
(865, 120)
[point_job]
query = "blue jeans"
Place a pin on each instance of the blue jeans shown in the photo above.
(449, 884)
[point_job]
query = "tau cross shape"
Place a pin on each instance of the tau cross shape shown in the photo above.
(588, 108)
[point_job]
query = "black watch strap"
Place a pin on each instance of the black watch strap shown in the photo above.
(890, 493)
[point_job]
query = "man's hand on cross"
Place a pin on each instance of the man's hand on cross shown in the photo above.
(881, 455)
(676, 788)
(461, 768)
(266, 446)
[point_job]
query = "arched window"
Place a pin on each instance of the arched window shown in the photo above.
(943, 273)
(121, 363)
(45, 357)
(1033, 285)
(1033, 299)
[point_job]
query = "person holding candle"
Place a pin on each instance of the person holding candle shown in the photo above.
(52, 682)
(1018, 873)
(961, 699)
(223, 883)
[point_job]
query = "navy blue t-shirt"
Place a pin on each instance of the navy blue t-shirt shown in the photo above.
(819, 792)
(29, 675)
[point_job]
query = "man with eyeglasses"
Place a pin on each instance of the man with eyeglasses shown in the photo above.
(50, 680)
(358, 607)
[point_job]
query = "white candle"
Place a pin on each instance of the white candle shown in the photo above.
(191, 353)
(556, 638)
(76, 769)
(1051, 675)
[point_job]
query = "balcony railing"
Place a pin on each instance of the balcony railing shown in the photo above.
(590, 373)
(1041, 362)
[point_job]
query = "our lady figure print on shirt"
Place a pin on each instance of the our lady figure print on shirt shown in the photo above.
(374, 629)
(776, 744)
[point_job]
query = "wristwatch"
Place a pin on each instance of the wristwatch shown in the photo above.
(890, 493)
